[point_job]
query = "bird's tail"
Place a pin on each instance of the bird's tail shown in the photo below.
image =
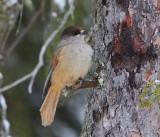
(48, 108)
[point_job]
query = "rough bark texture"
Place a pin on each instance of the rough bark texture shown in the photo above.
(126, 42)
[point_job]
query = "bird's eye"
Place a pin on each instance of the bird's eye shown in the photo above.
(75, 32)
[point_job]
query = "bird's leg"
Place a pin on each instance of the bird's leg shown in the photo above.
(69, 88)
(84, 84)
(81, 82)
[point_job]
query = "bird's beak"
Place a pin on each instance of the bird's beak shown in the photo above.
(83, 32)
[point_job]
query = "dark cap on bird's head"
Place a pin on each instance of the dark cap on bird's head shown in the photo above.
(73, 31)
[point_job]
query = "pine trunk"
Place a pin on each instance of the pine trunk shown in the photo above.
(126, 36)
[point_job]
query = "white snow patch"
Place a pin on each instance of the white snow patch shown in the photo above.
(6, 126)
(3, 102)
(5, 122)
(60, 3)
(1, 76)
(11, 2)
(54, 14)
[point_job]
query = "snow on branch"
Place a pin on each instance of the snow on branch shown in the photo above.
(4, 124)
(40, 63)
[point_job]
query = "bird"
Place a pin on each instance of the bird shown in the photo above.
(71, 62)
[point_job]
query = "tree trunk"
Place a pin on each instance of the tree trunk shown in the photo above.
(126, 36)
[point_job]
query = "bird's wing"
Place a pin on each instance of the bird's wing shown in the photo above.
(52, 67)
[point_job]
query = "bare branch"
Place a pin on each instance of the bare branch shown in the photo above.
(40, 63)
(6, 35)
(23, 33)
(16, 82)
(8, 21)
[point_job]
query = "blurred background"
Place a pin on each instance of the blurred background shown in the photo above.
(24, 27)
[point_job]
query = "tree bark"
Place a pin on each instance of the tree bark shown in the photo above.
(126, 36)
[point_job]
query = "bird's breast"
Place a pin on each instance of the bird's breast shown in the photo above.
(75, 61)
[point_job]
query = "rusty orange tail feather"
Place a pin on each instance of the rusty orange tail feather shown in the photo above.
(48, 108)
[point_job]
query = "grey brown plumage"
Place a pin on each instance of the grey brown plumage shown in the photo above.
(72, 61)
